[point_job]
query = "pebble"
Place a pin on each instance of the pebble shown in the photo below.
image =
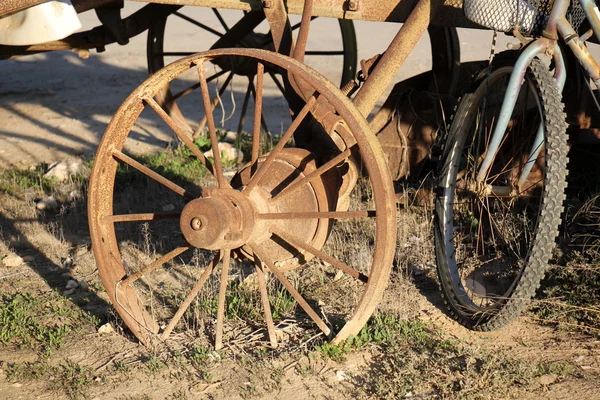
(72, 284)
(61, 171)
(17, 385)
(68, 292)
(169, 207)
(47, 203)
(13, 261)
(84, 285)
(341, 375)
(547, 379)
(228, 152)
(106, 328)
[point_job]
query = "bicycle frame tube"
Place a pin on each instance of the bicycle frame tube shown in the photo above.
(510, 99)
(591, 12)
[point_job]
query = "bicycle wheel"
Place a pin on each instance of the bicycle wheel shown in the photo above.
(494, 236)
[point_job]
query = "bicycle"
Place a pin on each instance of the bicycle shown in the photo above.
(502, 175)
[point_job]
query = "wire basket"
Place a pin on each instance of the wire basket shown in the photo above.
(529, 15)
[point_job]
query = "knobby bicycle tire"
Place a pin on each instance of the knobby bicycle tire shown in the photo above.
(458, 293)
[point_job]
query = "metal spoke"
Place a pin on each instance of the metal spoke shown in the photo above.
(185, 138)
(290, 288)
(294, 186)
(221, 301)
(223, 183)
(299, 244)
(324, 53)
(264, 296)
(151, 174)
(141, 217)
(195, 86)
(278, 83)
(221, 20)
(189, 298)
(296, 26)
(176, 53)
(282, 142)
(318, 214)
(243, 112)
(262, 117)
(258, 103)
(152, 266)
(199, 24)
(214, 103)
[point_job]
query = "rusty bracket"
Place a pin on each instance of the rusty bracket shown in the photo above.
(366, 67)
(352, 5)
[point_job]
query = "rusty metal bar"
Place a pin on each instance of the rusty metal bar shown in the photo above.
(393, 58)
(367, 10)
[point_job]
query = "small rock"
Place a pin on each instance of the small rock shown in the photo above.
(338, 275)
(228, 152)
(47, 204)
(84, 285)
(341, 375)
(547, 379)
(214, 356)
(106, 328)
(17, 385)
(97, 379)
(67, 262)
(68, 292)
(75, 194)
(169, 207)
(230, 137)
(72, 284)
(63, 170)
(579, 359)
(12, 261)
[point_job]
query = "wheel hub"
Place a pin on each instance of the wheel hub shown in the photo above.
(220, 219)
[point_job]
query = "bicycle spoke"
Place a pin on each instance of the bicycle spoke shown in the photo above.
(221, 300)
(185, 304)
(198, 24)
(151, 174)
(282, 142)
(185, 138)
(290, 288)
(223, 183)
(321, 254)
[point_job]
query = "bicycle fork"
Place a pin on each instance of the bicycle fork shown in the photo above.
(508, 105)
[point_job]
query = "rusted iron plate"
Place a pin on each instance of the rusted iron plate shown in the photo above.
(366, 10)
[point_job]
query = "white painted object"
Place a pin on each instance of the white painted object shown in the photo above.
(45, 22)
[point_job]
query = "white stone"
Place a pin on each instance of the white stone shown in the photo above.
(228, 152)
(12, 261)
(48, 203)
(61, 171)
(230, 137)
(106, 328)
(341, 375)
(169, 207)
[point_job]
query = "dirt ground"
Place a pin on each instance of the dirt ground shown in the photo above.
(54, 106)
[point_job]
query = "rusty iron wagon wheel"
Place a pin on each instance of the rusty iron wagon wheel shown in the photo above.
(164, 47)
(204, 246)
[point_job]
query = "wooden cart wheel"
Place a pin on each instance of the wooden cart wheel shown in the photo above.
(163, 49)
(172, 247)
